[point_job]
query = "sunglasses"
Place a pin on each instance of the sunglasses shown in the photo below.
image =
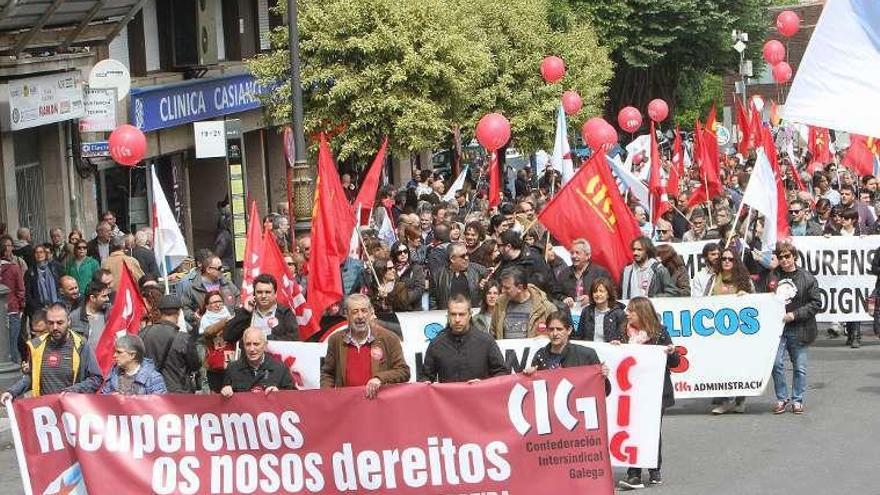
(794, 212)
(727, 258)
(785, 256)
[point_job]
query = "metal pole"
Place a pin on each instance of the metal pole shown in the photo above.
(300, 166)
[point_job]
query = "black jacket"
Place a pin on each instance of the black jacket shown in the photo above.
(804, 305)
(536, 269)
(286, 329)
(414, 277)
(147, 260)
(459, 358)
(568, 278)
(174, 354)
(441, 284)
(32, 298)
(612, 325)
(271, 373)
(573, 355)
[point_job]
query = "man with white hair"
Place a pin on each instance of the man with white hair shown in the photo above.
(664, 232)
(255, 371)
(577, 278)
(365, 355)
(142, 252)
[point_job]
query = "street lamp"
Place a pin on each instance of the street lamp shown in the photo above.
(745, 66)
(301, 174)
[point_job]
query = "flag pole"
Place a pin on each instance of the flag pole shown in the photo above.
(369, 259)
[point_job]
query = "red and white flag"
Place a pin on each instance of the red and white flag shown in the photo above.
(289, 291)
(253, 251)
(125, 317)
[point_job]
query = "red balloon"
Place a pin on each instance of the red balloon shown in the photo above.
(658, 110)
(598, 133)
(552, 69)
(629, 119)
(571, 102)
(774, 52)
(788, 23)
(782, 72)
(127, 145)
(493, 131)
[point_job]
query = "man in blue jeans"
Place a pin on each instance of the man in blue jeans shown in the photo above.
(802, 301)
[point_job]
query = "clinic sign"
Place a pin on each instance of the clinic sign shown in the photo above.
(37, 101)
(160, 107)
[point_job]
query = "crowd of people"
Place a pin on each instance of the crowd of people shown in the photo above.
(495, 272)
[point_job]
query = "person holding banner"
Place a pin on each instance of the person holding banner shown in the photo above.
(560, 354)
(60, 361)
(255, 371)
(800, 291)
(132, 373)
(365, 355)
(643, 327)
(459, 353)
(604, 319)
(733, 278)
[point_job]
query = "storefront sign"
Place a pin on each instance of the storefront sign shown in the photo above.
(100, 112)
(94, 149)
(45, 100)
(159, 107)
(510, 435)
(210, 137)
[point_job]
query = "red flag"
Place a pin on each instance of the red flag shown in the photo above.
(861, 154)
(253, 250)
(289, 291)
(819, 144)
(494, 181)
(590, 206)
(744, 125)
(677, 170)
(710, 120)
(782, 206)
(366, 197)
(796, 176)
(332, 223)
(125, 317)
(757, 125)
(706, 145)
(659, 200)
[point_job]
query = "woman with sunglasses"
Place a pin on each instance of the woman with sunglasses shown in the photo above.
(218, 352)
(643, 328)
(411, 274)
(81, 266)
(732, 278)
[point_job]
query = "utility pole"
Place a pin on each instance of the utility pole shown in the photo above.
(302, 180)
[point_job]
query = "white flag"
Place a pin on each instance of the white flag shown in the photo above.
(457, 185)
(386, 231)
(561, 159)
(168, 242)
(761, 195)
(836, 85)
(635, 186)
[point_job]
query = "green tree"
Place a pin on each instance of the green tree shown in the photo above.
(417, 70)
(656, 44)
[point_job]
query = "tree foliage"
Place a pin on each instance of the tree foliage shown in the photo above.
(655, 42)
(419, 69)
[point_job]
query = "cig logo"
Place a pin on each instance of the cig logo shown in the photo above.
(586, 406)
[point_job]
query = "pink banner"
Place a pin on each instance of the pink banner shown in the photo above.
(513, 434)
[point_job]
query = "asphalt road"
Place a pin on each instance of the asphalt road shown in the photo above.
(832, 449)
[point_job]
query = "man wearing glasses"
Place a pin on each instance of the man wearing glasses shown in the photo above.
(459, 278)
(800, 223)
(800, 291)
(210, 279)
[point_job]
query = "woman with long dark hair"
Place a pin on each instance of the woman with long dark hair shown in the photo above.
(643, 328)
(603, 319)
(483, 320)
(676, 268)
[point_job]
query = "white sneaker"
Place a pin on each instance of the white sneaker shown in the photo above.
(724, 408)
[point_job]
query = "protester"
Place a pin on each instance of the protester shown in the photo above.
(132, 373)
(99, 247)
(460, 277)
(559, 353)
(12, 277)
(117, 259)
(515, 254)
(365, 354)
(674, 264)
(144, 254)
(263, 312)
(41, 281)
(23, 246)
(701, 283)
(172, 349)
(646, 276)
(644, 328)
(698, 227)
(80, 266)
(90, 318)
(459, 353)
(800, 291)
(389, 294)
(60, 361)
(411, 273)
(577, 279)
(800, 223)
(482, 321)
(255, 371)
(69, 290)
(210, 279)
(521, 308)
(603, 319)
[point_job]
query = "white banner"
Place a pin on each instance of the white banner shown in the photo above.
(100, 110)
(37, 101)
(633, 406)
(841, 265)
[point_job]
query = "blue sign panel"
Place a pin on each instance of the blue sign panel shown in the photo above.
(94, 149)
(159, 107)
